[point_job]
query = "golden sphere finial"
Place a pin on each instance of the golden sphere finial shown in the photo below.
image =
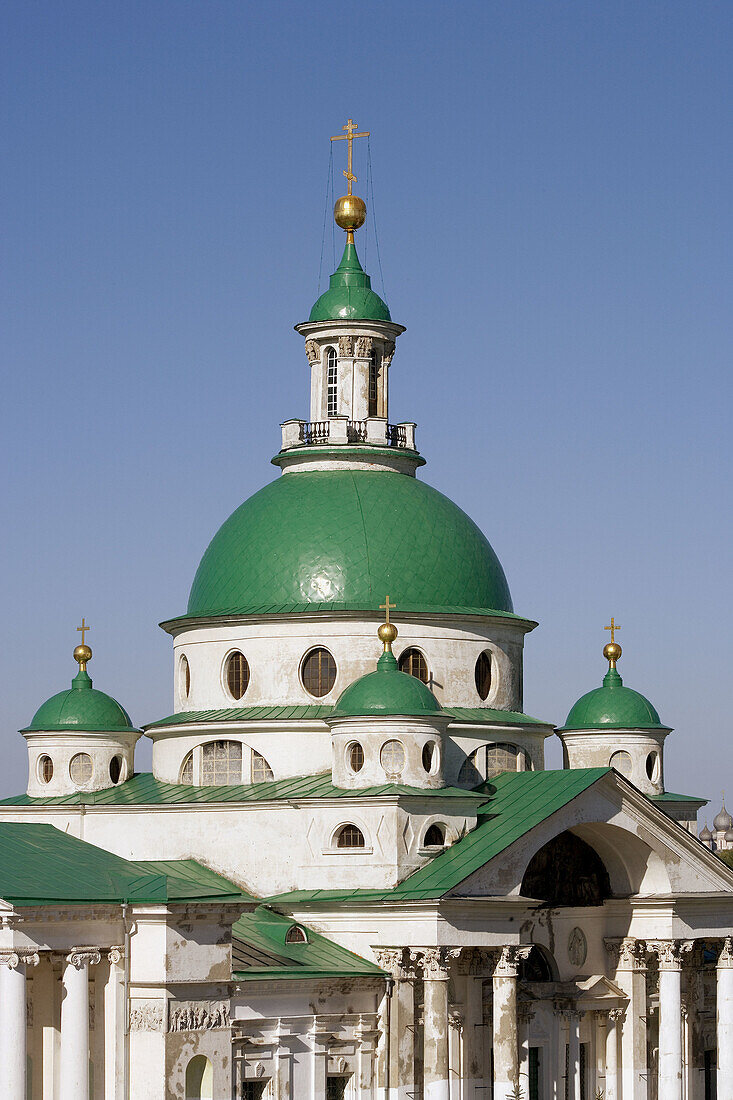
(349, 213)
(387, 634)
(612, 651)
(82, 654)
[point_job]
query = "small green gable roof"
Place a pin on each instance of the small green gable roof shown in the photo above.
(613, 706)
(386, 692)
(81, 707)
(350, 296)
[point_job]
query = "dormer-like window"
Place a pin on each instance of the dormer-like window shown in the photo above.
(332, 379)
(373, 383)
(350, 836)
(295, 934)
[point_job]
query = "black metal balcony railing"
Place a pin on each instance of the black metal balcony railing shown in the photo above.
(396, 435)
(314, 432)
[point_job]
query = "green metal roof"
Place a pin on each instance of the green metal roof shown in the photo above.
(81, 707)
(667, 796)
(613, 706)
(144, 790)
(41, 865)
(259, 950)
(386, 692)
(337, 540)
(350, 295)
(516, 802)
(467, 715)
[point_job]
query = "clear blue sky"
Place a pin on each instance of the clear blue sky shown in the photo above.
(553, 189)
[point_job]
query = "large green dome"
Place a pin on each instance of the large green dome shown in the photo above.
(386, 692)
(342, 539)
(613, 706)
(81, 707)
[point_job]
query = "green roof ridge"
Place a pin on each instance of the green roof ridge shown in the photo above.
(350, 295)
(319, 712)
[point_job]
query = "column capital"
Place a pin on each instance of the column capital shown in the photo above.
(508, 960)
(395, 961)
(435, 961)
(13, 959)
(626, 953)
(616, 1015)
(568, 1010)
(670, 953)
(725, 955)
(116, 955)
(79, 957)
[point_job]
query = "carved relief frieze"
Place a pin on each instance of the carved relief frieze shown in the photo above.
(363, 347)
(198, 1015)
(346, 346)
(147, 1016)
(312, 351)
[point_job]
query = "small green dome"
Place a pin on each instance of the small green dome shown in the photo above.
(350, 296)
(338, 540)
(81, 707)
(613, 706)
(386, 692)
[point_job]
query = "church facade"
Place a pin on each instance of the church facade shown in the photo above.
(349, 875)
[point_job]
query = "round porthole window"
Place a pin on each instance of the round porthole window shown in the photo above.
(355, 756)
(80, 769)
(318, 672)
(482, 675)
(45, 769)
(621, 762)
(184, 676)
(237, 674)
(652, 766)
(392, 757)
(430, 756)
(115, 768)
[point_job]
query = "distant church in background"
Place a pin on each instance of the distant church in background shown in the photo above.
(350, 875)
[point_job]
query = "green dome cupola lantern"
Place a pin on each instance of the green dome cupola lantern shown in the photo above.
(349, 343)
(615, 726)
(80, 739)
(387, 726)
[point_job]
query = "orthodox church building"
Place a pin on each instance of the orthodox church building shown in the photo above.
(349, 875)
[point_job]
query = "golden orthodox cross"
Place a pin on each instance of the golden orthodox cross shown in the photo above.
(348, 137)
(386, 607)
(613, 628)
(83, 629)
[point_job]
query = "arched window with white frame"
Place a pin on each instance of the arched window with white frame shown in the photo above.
(332, 383)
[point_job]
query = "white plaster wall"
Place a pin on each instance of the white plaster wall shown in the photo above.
(597, 748)
(275, 649)
(62, 747)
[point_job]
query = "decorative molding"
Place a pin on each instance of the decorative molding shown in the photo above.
(147, 1016)
(616, 1015)
(507, 964)
(13, 959)
(456, 1020)
(577, 947)
(198, 1015)
(346, 346)
(363, 347)
(116, 955)
(80, 957)
(435, 962)
(626, 953)
(394, 961)
(312, 351)
(725, 958)
(388, 353)
(670, 953)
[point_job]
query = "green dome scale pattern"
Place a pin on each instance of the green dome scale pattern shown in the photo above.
(350, 296)
(386, 692)
(613, 706)
(340, 539)
(81, 707)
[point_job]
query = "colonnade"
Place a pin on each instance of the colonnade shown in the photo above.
(74, 1055)
(622, 1030)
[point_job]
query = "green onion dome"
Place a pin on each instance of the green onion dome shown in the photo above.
(613, 706)
(340, 539)
(386, 692)
(350, 296)
(81, 708)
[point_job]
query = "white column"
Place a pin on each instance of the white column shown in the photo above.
(611, 1091)
(13, 1024)
(670, 954)
(435, 964)
(573, 1018)
(724, 1020)
(628, 960)
(506, 1042)
(75, 1025)
(114, 1025)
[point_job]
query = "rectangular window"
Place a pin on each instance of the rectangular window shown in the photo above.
(535, 1071)
(373, 380)
(711, 1075)
(583, 1074)
(332, 384)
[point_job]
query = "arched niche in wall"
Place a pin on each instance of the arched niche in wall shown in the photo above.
(567, 871)
(199, 1079)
